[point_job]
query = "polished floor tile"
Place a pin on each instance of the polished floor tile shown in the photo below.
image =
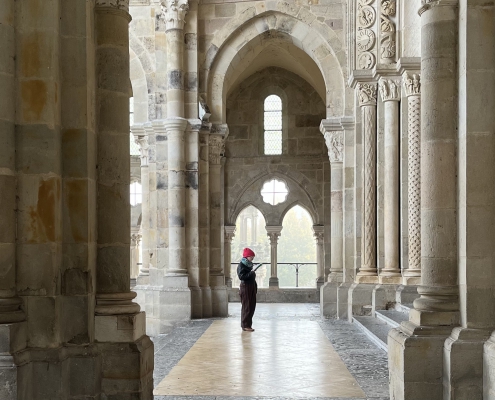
(282, 358)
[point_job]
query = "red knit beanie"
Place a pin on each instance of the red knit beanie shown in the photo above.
(247, 252)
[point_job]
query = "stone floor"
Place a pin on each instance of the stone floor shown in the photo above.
(291, 355)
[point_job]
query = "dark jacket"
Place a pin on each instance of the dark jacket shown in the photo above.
(246, 273)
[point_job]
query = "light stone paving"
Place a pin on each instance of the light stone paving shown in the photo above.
(292, 354)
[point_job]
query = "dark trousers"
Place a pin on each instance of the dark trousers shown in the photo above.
(247, 291)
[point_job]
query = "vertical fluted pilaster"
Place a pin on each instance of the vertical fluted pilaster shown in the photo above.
(390, 94)
(273, 233)
(367, 102)
(412, 87)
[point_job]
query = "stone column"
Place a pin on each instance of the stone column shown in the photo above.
(390, 94)
(228, 236)
(10, 303)
(367, 101)
(319, 234)
(412, 87)
(436, 311)
(273, 233)
(135, 255)
(114, 306)
(217, 277)
(141, 139)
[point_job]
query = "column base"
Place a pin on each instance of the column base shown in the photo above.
(463, 364)
(228, 282)
(383, 297)
(320, 282)
(372, 279)
(196, 302)
(359, 300)
(206, 297)
(343, 300)
(142, 280)
(390, 279)
(328, 300)
(219, 296)
(415, 359)
(411, 280)
(273, 283)
(406, 294)
(12, 339)
(489, 369)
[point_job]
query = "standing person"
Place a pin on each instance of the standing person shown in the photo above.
(248, 289)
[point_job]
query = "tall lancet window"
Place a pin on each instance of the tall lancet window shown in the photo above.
(273, 125)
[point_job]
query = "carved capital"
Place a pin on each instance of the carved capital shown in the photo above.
(273, 236)
(335, 144)
(367, 94)
(229, 233)
(319, 234)
(412, 84)
(142, 141)
(389, 89)
(174, 13)
(216, 149)
(115, 4)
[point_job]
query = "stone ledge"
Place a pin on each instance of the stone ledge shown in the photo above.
(283, 295)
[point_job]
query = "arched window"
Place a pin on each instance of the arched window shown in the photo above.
(136, 193)
(272, 122)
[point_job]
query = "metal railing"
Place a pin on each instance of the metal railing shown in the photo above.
(296, 265)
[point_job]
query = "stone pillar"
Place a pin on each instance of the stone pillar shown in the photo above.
(114, 306)
(217, 277)
(367, 101)
(319, 234)
(416, 348)
(228, 236)
(135, 255)
(412, 87)
(390, 94)
(10, 303)
(141, 139)
(273, 233)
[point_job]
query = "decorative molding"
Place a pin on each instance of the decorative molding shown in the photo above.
(216, 149)
(387, 31)
(367, 94)
(174, 13)
(116, 4)
(389, 89)
(365, 36)
(319, 234)
(412, 84)
(335, 145)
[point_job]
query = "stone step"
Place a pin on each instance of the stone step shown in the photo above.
(375, 329)
(392, 317)
(405, 308)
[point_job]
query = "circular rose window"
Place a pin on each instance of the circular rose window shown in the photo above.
(274, 192)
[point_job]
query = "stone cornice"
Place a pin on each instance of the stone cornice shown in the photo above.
(174, 13)
(389, 89)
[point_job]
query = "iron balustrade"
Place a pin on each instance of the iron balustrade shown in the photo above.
(295, 265)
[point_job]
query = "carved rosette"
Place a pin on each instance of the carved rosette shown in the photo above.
(174, 13)
(216, 149)
(367, 94)
(365, 36)
(387, 31)
(335, 146)
(115, 4)
(412, 86)
(389, 90)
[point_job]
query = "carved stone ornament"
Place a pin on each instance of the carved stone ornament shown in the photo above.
(366, 60)
(335, 145)
(273, 236)
(365, 39)
(142, 142)
(366, 16)
(387, 31)
(216, 149)
(117, 4)
(367, 94)
(174, 13)
(389, 7)
(389, 90)
(412, 85)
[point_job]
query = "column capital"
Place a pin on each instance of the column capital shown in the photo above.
(412, 84)
(335, 145)
(273, 232)
(389, 89)
(367, 94)
(122, 5)
(229, 233)
(216, 149)
(174, 13)
(141, 139)
(428, 4)
(319, 233)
